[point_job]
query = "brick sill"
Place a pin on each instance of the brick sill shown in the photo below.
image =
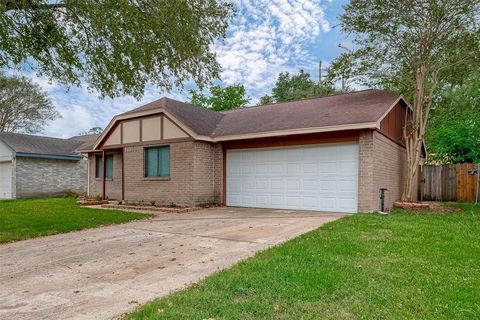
(157, 179)
(107, 179)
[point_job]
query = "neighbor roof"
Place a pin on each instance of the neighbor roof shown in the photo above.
(87, 140)
(355, 110)
(42, 147)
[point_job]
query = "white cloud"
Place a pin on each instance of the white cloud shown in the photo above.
(268, 37)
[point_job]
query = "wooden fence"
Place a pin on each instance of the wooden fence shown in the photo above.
(455, 182)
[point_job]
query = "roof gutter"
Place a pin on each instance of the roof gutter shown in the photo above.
(358, 126)
(49, 156)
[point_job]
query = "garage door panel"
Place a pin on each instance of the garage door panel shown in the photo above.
(323, 178)
(293, 185)
(276, 168)
(310, 168)
(5, 180)
(310, 185)
(277, 184)
(327, 203)
(277, 201)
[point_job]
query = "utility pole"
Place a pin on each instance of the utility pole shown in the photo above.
(320, 72)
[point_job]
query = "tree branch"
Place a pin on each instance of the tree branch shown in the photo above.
(28, 5)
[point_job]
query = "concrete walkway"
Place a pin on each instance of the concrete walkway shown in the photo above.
(101, 273)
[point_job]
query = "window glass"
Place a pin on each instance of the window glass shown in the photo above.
(157, 162)
(99, 166)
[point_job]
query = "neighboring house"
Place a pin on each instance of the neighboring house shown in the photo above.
(329, 154)
(35, 166)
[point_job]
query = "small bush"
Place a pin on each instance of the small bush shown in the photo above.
(172, 205)
(98, 197)
(72, 194)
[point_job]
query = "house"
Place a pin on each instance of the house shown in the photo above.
(331, 153)
(36, 166)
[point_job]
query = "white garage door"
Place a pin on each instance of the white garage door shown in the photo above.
(323, 178)
(5, 180)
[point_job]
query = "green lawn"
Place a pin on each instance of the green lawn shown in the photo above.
(22, 219)
(366, 266)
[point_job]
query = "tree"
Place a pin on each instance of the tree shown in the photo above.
(290, 87)
(117, 46)
(24, 107)
(94, 130)
(413, 44)
(342, 69)
(453, 134)
(219, 99)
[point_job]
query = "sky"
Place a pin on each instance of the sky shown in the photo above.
(264, 39)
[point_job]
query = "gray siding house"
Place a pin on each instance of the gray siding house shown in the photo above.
(36, 166)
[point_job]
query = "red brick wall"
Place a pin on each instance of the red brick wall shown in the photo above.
(195, 176)
(382, 165)
(366, 191)
(208, 173)
(113, 186)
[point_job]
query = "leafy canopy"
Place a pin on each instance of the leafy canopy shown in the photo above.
(395, 40)
(453, 135)
(24, 107)
(94, 130)
(290, 87)
(414, 45)
(219, 99)
(117, 46)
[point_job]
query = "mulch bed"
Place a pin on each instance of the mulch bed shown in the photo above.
(92, 202)
(151, 208)
(411, 205)
(427, 207)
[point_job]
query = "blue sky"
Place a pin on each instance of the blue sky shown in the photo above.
(266, 37)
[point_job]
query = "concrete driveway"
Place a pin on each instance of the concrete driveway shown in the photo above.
(101, 273)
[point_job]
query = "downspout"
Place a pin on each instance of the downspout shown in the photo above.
(88, 175)
(123, 173)
(104, 169)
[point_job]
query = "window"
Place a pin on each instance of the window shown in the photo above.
(99, 166)
(157, 162)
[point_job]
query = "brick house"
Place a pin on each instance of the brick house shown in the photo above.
(36, 166)
(331, 153)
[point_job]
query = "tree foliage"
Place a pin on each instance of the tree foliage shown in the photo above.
(415, 45)
(24, 107)
(290, 87)
(220, 99)
(117, 46)
(453, 135)
(94, 130)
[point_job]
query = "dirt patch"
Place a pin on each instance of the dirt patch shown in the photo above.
(431, 207)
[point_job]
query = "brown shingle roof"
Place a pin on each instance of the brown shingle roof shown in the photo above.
(342, 109)
(87, 140)
(25, 143)
(362, 108)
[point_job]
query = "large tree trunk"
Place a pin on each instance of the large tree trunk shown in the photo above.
(414, 134)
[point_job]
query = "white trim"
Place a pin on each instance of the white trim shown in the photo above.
(366, 125)
(314, 145)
